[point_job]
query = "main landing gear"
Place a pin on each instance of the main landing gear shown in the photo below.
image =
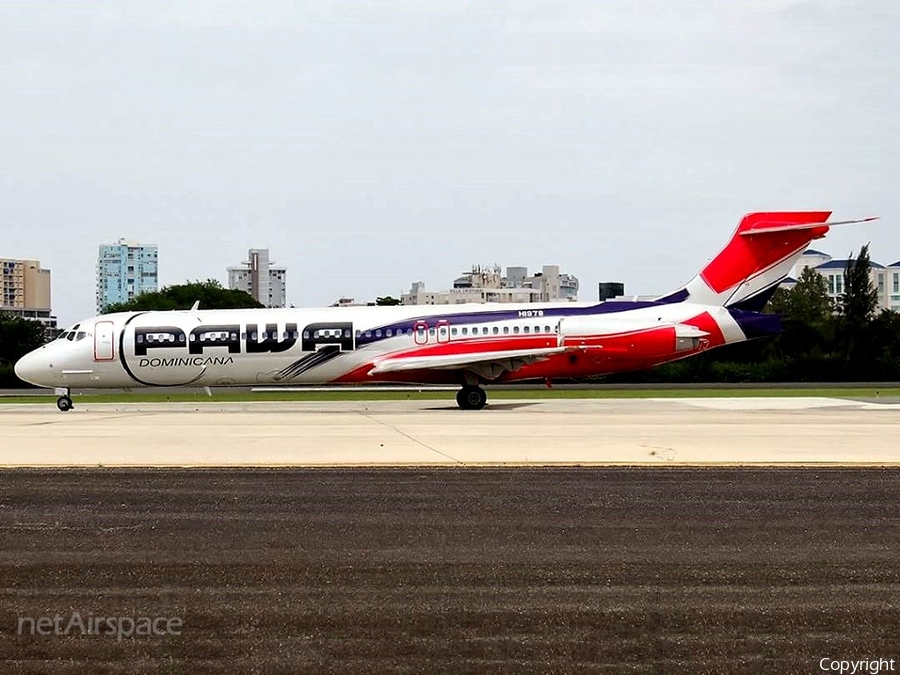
(64, 402)
(471, 397)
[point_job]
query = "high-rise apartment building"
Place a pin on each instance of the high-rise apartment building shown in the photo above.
(124, 270)
(260, 278)
(25, 291)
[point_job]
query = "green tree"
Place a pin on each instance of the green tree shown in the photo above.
(807, 301)
(387, 300)
(18, 336)
(856, 310)
(858, 302)
(807, 320)
(209, 293)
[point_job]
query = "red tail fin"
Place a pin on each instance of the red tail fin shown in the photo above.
(759, 256)
(761, 241)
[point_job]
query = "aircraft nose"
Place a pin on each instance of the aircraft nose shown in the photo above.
(30, 368)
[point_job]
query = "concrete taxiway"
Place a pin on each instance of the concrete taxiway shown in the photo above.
(395, 433)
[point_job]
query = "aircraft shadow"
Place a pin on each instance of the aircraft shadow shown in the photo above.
(490, 406)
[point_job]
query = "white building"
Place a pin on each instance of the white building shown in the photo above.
(487, 284)
(260, 278)
(886, 279)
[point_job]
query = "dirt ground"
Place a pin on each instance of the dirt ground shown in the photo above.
(453, 571)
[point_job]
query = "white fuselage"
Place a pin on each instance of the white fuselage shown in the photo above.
(365, 344)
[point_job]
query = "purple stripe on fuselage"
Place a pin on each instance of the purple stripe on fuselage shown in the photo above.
(470, 318)
(672, 298)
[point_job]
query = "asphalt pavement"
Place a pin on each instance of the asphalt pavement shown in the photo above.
(568, 570)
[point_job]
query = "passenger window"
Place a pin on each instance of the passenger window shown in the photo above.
(378, 333)
(140, 339)
(526, 329)
(346, 332)
(546, 329)
(465, 331)
(515, 330)
(181, 338)
(537, 329)
(496, 330)
(506, 330)
(254, 336)
(368, 333)
(452, 331)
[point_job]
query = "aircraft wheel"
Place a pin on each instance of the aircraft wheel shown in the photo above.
(64, 403)
(471, 398)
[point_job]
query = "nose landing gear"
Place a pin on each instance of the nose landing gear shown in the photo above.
(471, 397)
(64, 402)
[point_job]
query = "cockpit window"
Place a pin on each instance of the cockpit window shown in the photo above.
(80, 335)
(70, 335)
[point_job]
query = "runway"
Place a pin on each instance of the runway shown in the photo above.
(444, 571)
(654, 432)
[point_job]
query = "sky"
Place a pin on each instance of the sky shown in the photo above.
(372, 144)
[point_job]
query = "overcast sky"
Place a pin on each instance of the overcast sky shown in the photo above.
(372, 144)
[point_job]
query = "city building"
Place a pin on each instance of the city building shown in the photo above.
(124, 270)
(25, 291)
(885, 278)
(487, 284)
(259, 277)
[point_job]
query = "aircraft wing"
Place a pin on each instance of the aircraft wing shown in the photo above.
(487, 363)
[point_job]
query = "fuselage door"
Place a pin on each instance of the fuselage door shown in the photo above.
(420, 332)
(443, 331)
(104, 341)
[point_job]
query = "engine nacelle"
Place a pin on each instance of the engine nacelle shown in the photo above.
(630, 337)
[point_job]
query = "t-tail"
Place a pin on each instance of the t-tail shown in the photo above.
(760, 255)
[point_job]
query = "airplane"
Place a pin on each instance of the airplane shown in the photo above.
(466, 345)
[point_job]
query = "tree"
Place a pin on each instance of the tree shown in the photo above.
(387, 300)
(858, 302)
(18, 336)
(209, 293)
(807, 301)
(856, 308)
(808, 319)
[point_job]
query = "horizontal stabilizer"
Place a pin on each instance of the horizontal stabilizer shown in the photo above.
(766, 227)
